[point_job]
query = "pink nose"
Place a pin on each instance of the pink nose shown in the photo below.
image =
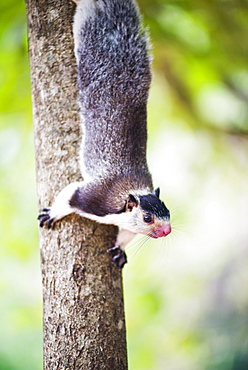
(163, 230)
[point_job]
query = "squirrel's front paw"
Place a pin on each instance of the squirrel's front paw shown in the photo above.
(119, 256)
(45, 219)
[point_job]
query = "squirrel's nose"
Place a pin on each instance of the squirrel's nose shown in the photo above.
(163, 230)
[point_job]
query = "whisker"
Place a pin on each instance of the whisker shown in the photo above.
(163, 248)
(180, 229)
(137, 245)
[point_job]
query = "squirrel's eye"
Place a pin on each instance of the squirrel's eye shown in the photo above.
(147, 218)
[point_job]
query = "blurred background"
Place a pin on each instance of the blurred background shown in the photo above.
(186, 296)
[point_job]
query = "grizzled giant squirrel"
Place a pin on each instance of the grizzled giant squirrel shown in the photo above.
(114, 77)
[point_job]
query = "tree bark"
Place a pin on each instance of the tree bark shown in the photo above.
(84, 325)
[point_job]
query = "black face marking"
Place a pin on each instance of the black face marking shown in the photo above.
(154, 206)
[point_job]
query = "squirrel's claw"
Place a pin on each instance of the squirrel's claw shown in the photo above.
(45, 219)
(119, 256)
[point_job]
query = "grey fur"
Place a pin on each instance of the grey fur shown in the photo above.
(114, 80)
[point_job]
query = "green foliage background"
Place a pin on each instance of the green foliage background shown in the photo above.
(186, 296)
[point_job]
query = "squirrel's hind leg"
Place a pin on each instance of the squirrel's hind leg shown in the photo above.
(60, 208)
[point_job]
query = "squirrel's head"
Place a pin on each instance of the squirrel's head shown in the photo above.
(148, 215)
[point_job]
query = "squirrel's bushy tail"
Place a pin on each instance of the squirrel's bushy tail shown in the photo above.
(114, 79)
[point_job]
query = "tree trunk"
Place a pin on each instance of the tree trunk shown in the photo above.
(84, 325)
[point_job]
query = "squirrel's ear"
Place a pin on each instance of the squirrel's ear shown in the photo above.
(157, 192)
(132, 202)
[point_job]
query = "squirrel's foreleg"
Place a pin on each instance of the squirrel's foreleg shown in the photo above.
(61, 206)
